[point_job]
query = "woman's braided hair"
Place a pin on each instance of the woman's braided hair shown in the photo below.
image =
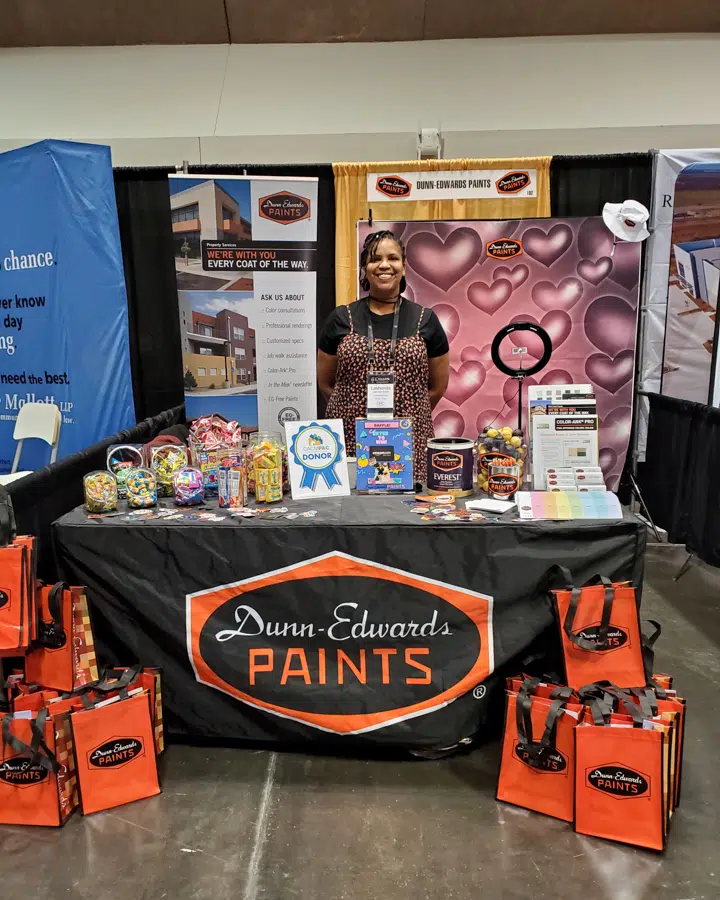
(369, 248)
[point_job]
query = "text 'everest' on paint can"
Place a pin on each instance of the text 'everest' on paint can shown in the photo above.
(450, 466)
(503, 481)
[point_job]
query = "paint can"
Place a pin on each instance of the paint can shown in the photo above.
(503, 481)
(450, 466)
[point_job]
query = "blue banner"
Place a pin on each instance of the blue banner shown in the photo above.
(63, 308)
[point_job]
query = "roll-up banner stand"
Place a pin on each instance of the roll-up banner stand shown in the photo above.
(63, 307)
(246, 261)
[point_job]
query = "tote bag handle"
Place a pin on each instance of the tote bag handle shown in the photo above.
(602, 642)
(538, 750)
(52, 635)
(47, 759)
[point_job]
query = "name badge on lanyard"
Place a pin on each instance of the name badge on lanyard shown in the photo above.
(381, 385)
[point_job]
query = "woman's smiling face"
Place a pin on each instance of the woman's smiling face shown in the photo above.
(385, 270)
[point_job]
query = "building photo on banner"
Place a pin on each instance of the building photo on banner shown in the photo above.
(568, 276)
(693, 282)
(246, 261)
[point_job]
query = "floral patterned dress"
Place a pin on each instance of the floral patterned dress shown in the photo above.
(412, 400)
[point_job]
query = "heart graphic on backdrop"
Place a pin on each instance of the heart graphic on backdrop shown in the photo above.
(490, 297)
(615, 427)
(562, 296)
(516, 276)
(486, 418)
(594, 272)
(594, 239)
(471, 354)
(608, 458)
(510, 390)
(626, 264)
(547, 247)
(449, 319)
(491, 231)
(557, 323)
(443, 263)
(449, 423)
(557, 376)
(610, 374)
(465, 381)
(444, 228)
(610, 324)
(409, 293)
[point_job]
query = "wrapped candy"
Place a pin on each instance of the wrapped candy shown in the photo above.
(165, 461)
(256, 438)
(120, 459)
(141, 489)
(499, 446)
(101, 492)
(188, 486)
(267, 465)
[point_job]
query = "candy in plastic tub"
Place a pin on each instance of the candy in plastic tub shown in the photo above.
(141, 489)
(166, 460)
(188, 486)
(267, 463)
(101, 492)
(120, 459)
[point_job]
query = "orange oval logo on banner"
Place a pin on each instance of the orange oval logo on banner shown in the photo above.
(504, 248)
(284, 207)
(512, 183)
(393, 186)
(343, 644)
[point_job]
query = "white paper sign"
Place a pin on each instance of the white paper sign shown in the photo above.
(317, 462)
(483, 184)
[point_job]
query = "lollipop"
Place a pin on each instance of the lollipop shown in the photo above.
(188, 486)
(141, 488)
(166, 460)
(101, 492)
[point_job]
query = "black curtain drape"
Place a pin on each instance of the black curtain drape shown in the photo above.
(680, 479)
(581, 186)
(143, 204)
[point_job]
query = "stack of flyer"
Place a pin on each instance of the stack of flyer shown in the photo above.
(563, 430)
(579, 478)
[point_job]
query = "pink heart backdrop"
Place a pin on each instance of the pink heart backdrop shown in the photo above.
(568, 279)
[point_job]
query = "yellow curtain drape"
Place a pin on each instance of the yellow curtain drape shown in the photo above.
(351, 205)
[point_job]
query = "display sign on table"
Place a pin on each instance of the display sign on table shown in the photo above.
(317, 462)
(63, 306)
(246, 260)
(566, 275)
(384, 452)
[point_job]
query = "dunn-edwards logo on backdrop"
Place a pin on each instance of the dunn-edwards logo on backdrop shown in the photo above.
(512, 183)
(284, 207)
(393, 186)
(339, 643)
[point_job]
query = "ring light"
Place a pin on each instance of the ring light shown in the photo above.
(521, 374)
(521, 326)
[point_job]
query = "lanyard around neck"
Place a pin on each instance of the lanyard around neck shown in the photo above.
(393, 341)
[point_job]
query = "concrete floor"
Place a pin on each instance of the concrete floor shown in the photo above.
(256, 825)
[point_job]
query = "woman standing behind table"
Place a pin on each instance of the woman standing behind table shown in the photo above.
(418, 356)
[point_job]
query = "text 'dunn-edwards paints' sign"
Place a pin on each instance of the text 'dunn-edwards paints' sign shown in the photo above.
(482, 184)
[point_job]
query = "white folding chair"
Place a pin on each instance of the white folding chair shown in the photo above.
(35, 420)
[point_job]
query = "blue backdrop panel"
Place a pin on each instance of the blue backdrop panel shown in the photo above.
(63, 309)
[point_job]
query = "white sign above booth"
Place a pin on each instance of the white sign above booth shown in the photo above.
(452, 184)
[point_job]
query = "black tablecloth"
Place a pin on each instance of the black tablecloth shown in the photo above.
(362, 624)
